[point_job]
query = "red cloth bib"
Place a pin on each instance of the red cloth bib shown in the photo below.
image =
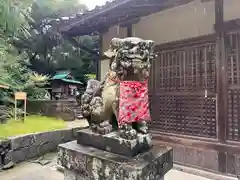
(134, 104)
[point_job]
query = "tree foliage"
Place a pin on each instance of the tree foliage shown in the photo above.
(14, 23)
(48, 50)
(30, 45)
(15, 17)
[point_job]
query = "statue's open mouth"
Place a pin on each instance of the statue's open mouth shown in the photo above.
(136, 61)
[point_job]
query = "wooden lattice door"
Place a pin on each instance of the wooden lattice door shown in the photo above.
(185, 91)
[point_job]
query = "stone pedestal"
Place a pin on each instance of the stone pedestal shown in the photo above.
(98, 158)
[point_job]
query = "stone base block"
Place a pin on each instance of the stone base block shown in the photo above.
(113, 143)
(71, 175)
(88, 163)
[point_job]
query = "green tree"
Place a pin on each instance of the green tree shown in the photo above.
(15, 19)
(47, 50)
(29, 43)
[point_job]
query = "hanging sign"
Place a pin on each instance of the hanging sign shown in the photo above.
(20, 95)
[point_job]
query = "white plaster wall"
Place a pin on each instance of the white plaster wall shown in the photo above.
(182, 22)
(231, 9)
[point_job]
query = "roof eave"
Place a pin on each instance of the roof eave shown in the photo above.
(65, 29)
(125, 11)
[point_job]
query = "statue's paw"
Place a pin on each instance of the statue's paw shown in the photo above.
(125, 127)
(127, 132)
(143, 130)
(132, 133)
(104, 130)
(104, 124)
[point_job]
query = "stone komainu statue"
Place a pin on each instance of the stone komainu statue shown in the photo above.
(122, 97)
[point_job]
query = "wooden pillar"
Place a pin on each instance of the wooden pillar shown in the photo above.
(221, 63)
(98, 63)
(129, 30)
(222, 83)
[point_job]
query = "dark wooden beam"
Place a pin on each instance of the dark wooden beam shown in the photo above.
(204, 1)
(221, 71)
(99, 58)
(129, 30)
(129, 22)
(228, 25)
(187, 42)
(201, 143)
(222, 83)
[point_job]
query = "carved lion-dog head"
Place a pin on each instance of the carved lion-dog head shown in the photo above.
(131, 57)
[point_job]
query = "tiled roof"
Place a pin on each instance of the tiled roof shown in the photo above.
(63, 76)
(60, 75)
(72, 81)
